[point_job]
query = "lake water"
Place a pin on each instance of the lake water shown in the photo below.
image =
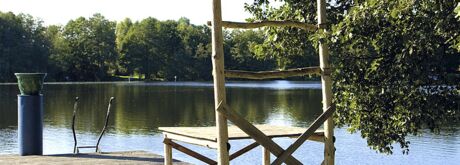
(140, 108)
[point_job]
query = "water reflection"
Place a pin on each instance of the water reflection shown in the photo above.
(140, 108)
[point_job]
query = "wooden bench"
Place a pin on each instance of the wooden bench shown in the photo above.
(207, 136)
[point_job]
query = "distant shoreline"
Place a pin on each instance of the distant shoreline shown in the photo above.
(110, 82)
(81, 82)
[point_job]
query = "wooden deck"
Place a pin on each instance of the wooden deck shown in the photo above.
(110, 158)
(207, 136)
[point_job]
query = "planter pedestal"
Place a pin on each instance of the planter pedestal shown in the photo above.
(30, 124)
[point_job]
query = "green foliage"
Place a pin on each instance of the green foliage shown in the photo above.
(96, 49)
(394, 62)
(240, 54)
(197, 47)
(290, 47)
(168, 50)
(86, 49)
(57, 55)
(23, 47)
(156, 49)
(137, 48)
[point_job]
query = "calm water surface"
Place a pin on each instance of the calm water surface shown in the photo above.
(143, 107)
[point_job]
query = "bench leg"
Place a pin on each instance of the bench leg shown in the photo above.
(265, 156)
(168, 154)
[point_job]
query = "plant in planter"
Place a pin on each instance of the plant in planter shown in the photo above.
(30, 83)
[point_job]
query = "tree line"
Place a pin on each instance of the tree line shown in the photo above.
(97, 49)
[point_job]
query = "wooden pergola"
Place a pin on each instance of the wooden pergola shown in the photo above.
(218, 137)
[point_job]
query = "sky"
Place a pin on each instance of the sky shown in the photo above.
(61, 11)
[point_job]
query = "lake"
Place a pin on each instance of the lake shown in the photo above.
(140, 108)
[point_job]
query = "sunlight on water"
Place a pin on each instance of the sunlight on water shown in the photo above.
(279, 84)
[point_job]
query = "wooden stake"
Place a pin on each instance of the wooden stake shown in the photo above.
(219, 81)
(265, 156)
(168, 152)
(329, 150)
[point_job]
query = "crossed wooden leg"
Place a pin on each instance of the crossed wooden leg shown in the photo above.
(169, 144)
(268, 143)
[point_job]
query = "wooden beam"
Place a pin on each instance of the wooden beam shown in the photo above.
(201, 142)
(189, 151)
(219, 81)
(314, 137)
(326, 84)
(302, 138)
(255, 133)
(243, 150)
(272, 74)
(259, 24)
(168, 154)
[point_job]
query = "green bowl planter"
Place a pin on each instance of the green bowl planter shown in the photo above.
(30, 83)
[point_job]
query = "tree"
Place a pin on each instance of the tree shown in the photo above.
(59, 51)
(171, 51)
(91, 45)
(239, 51)
(121, 32)
(23, 46)
(290, 47)
(197, 48)
(138, 49)
(391, 60)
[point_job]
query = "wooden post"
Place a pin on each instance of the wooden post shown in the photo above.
(219, 82)
(265, 156)
(329, 150)
(168, 153)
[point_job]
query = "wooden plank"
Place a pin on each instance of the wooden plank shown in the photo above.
(243, 150)
(189, 152)
(315, 125)
(272, 74)
(265, 156)
(168, 154)
(326, 82)
(255, 133)
(219, 81)
(191, 140)
(259, 24)
(235, 133)
(315, 137)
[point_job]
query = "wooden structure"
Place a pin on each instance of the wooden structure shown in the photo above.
(206, 136)
(218, 137)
